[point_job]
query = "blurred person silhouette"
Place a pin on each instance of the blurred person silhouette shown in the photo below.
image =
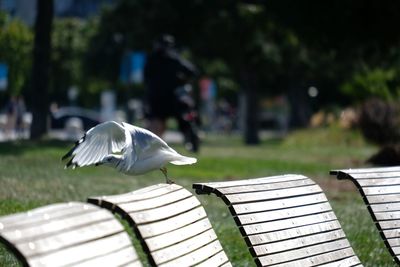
(19, 117)
(15, 114)
(11, 111)
(167, 78)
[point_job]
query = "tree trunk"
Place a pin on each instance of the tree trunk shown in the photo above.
(41, 68)
(251, 123)
(300, 107)
(251, 116)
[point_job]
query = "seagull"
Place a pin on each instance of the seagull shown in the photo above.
(129, 149)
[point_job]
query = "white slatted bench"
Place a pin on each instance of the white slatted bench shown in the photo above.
(380, 189)
(285, 220)
(171, 224)
(68, 234)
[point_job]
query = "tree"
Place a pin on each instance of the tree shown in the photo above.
(360, 29)
(354, 37)
(70, 37)
(15, 50)
(39, 97)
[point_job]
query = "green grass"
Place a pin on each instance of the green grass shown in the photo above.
(32, 175)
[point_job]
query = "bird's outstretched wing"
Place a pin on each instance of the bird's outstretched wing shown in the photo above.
(100, 141)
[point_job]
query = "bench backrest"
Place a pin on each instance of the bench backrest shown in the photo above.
(68, 234)
(285, 220)
(171, 223)
(380, 189)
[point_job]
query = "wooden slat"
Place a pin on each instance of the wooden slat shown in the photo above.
(155, 191)
(383, 199)
(303, 252)
(127, 197)
(132, 264)
(375, 175)
(385, 207)
(293, 232)
(85, 251)
(274, 194)
(147, 189)
(40, 215)
(178, 235)
(394, 242)
(254, 181)
(382, 190)
(285, 245)
(284, 213)
(352, 261)
(70, 238)
(167, 225)
(219, 259)
(288, 223)
(50, 209)
(396, 250)
(367, 170)
(49, 227)
(155, 202)
(265, 187)
(379, 182)
(391, 233)
(184, 247)
(120, 257)
(394, 224)
(338, 258)
(166, 211)
(196, 256)
(383, 216)
(294, 201)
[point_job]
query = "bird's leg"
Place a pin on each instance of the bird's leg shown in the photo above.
(167, 180)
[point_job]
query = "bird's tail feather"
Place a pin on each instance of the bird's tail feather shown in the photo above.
(184, 161)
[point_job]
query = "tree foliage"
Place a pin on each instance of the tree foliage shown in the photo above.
(377, 82)
(15, 50)
(70, 40)
(355, 39)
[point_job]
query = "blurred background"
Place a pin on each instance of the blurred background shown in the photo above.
(265, 67)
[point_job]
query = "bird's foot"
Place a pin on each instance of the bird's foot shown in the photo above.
(169, 181)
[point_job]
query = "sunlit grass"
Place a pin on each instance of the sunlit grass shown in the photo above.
(32, 175)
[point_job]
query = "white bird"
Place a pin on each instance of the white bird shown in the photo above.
(130, 149)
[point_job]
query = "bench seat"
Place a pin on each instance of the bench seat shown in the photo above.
(68, 234)
(380, 189)
(285, 220)
(171, 223)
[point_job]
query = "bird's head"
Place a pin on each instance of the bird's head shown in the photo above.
(110, 160)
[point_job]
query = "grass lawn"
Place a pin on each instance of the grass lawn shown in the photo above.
(32, 175)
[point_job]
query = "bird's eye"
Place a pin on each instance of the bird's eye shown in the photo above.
(109, 159)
